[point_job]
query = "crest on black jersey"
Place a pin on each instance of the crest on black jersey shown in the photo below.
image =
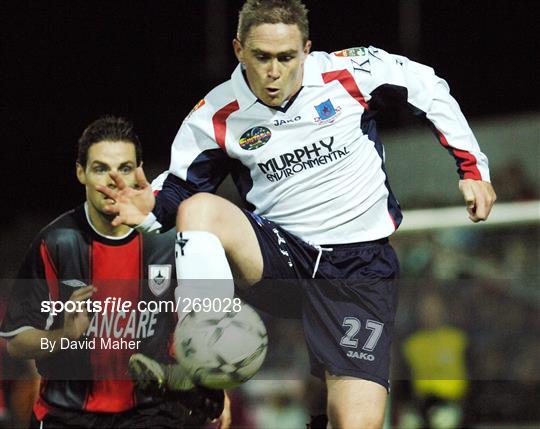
(159, 278)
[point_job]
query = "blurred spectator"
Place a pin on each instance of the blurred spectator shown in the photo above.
(435, 354)
(280, 410)
(489, 281)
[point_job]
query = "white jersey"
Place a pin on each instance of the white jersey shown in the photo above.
(315, 166)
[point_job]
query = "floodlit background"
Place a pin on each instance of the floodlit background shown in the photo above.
(63, 64)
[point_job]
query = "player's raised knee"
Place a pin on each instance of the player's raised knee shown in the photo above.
(204, 212)
(198, 212)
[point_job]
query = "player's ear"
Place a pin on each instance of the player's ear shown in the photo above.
(238, 50)
(80, 173)
(307, 47)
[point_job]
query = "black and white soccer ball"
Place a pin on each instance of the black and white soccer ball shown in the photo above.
(221, 350)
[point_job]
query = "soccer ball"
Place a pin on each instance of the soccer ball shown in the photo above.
(221, 350)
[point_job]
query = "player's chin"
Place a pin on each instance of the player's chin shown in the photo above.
(273, 99)
(273, 102)
(107, 210)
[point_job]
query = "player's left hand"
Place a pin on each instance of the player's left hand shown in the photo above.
(479, 198)
(225, 420)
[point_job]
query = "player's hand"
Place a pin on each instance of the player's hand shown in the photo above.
(76, 322)
(479, 198)
(131, 204)
(225, 420)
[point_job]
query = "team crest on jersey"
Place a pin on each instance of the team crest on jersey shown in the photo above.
(327, 112)
(254, 138)
(159, 278)
(351, 52)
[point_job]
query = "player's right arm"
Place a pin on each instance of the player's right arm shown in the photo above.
(26, 323)
(198, 164)
(30, 344)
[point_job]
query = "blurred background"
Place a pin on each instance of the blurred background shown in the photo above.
(63, 64)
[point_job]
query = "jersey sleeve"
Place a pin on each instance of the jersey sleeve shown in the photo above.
(198, 164)
(30, 289)
(390, 78)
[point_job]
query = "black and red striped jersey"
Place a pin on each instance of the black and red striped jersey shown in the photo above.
(91, 374)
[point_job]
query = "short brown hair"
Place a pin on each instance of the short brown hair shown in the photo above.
(108, 128)
(257, 12)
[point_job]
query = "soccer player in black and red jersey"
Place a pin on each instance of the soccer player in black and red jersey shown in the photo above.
(83, 356)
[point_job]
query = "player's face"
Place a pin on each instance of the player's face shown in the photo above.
(102, 158)
(273, 55)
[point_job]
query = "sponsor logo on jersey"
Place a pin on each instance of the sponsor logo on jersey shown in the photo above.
(327, 113)
(278, 122)
(351, 52)
(254, 138)
(307, 157)
(131, 324)
(361, 65)
(159, 278)
(360, 355)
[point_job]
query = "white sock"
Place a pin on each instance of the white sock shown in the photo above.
(202, 269)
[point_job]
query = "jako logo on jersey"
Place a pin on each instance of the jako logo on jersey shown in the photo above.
(357, 355)
(159, 278)
(327, 113)
(278, 122)
(254, 138)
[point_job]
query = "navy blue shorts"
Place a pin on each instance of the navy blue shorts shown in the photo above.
(347, 309)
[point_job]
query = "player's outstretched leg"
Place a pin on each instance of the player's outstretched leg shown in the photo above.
(354, 403)
(214, 240)
(219, 217)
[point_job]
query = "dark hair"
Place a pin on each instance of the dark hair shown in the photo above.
(257, 12)
(108, 128)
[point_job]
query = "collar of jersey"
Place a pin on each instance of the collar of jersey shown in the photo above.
(108, 237)
(246, 98)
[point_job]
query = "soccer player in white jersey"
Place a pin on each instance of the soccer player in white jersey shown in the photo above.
(297, 132)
